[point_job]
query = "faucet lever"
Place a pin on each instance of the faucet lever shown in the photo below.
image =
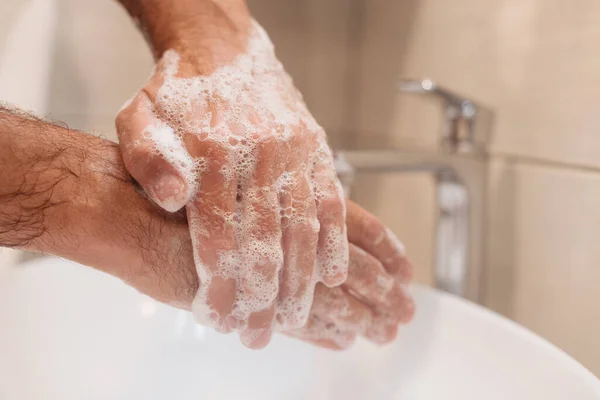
(467, 125)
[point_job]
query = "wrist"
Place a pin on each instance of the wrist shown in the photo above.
(66, 193)
(214, 31)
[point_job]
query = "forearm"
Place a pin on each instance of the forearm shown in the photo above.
(213, 29)
(66, 193)
(39, 174)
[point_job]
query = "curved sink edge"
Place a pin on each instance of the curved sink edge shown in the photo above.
(479, 311)
(518, 329)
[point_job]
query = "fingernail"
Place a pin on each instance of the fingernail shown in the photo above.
(170, 192)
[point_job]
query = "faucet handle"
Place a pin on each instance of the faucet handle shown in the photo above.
(467, 125)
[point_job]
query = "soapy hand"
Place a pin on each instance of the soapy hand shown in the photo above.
(373, 301)
(74, 199)
(236, 145)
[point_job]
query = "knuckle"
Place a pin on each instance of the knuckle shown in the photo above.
(124, 127)
(121, 121)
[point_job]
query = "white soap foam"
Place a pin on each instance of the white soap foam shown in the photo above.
(243, 110)
(317, 329)
(171, 148)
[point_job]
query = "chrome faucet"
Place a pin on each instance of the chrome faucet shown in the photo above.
(460, 167)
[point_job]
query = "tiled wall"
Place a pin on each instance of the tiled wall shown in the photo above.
(536, 63)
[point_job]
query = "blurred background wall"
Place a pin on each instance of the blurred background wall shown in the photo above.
(535, 63)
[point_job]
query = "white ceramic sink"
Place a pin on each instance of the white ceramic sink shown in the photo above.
(69, 332)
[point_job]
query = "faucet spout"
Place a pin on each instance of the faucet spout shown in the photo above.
(460, 168)
(466, 124)
(461, 192)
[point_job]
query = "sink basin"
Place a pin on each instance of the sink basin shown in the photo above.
(69, 332)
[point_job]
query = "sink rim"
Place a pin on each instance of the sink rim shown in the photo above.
(455, 307)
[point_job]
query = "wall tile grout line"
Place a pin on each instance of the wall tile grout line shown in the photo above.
(544, 162)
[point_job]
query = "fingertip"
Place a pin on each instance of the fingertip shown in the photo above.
(256, 339)
(391, 333)
(346, 340)
(288, 321)
(215, 304)
(409, 311)
(382, 333)
(339, 342)
(331, 345)
(406, 271)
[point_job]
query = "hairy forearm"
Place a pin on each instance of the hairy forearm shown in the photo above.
(37, 177)
(66, 193)
(205, 28)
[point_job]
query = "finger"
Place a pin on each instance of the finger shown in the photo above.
(334, 344)
(332, 248)
(211, 217)
(368, 233)
(336, 306)
(300, 229)
(260, 236)
(258, 333)
(371, 283)
(383, 330)
(323, 334)
(154, 155)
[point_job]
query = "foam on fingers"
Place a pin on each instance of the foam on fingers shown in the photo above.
(229, 136)
(159, 173)
(332, 250)
(368, 280)
(300, 229)
(324, 334)
(369, 233)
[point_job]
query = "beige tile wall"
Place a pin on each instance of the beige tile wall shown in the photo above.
(536, 63)
(100, 60)
(544, 259)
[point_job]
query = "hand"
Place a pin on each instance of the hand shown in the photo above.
(68, 194)
(373, 300)
(235, 144)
